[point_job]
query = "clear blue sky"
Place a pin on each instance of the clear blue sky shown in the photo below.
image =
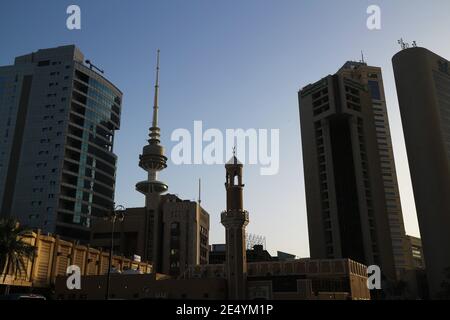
(231, 64)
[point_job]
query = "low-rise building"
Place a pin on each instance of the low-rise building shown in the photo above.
(53, 257)
(184, 231)
(257, 254)
(302, 279)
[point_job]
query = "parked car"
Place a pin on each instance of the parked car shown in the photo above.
(23, 296)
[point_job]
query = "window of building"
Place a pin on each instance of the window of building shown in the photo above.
(374, 88)
(43, 63)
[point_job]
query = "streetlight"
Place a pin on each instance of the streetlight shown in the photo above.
(117, 214)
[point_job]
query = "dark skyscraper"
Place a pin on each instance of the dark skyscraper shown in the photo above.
(372, 77)
(58, 119)
(345, 193)
(423, 87)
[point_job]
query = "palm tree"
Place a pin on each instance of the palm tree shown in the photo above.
(13, 250)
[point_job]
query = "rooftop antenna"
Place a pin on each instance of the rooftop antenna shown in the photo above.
(199, 191)
(404, 45)
(92, 66)
(362, 57)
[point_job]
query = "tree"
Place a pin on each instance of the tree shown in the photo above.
(14, 251)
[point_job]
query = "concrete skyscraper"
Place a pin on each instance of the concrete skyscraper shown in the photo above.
(423, 88)
(372, 77)
(345, 190)
(58, 117)
(235, 219)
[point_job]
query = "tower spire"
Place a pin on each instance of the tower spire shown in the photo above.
(154, 129)
(152, 158)
(153, 161)
(155, 100)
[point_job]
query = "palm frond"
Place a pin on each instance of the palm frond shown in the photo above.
(14, 251)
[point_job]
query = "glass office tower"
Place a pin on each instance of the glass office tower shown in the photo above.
(58, 117)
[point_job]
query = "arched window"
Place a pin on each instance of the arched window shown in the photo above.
(236, 180)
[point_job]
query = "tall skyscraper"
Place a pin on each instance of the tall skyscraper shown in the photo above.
(423, 88)
(169, 232)
(235, 219)
(57, 123)
(345, 191)
(372, 77)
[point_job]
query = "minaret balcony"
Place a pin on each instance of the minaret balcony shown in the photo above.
(235, 216)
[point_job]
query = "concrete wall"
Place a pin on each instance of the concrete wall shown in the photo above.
(54, 255)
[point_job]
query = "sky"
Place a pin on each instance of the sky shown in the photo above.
(231, 64)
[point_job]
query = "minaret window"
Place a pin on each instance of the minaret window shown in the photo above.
(236, 180)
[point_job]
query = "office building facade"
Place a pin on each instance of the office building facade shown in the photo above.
(58, 119)
(423, 87)
(416, 252)
(372, 77)
(345, 194)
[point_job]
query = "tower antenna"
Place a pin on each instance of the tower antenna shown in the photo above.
(199, 191)
(155, 100)
(404, 45)
(362, 57)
